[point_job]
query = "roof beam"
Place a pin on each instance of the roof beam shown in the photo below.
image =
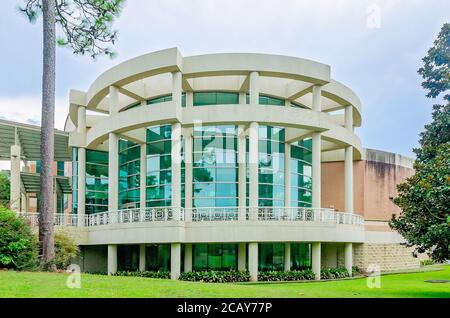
(130, 94)
(186, 86)
(297, 89)
(245, 87)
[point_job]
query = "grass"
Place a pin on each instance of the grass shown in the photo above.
(53, 285)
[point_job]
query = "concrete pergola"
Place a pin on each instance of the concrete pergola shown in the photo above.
(22, 142)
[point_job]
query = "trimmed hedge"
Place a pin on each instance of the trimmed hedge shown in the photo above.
(146, 274)
(334, 273)
(216, 276)
(279, 276)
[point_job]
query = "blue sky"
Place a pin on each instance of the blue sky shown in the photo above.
(378, 61)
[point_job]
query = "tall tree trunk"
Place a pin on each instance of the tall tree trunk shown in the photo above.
(46, 239)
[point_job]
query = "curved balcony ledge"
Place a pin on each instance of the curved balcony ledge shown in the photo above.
(168, 225)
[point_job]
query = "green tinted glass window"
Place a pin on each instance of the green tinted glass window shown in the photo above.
(215, 98)
(214, 256)
(96, 181)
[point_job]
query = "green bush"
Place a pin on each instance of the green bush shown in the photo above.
(18, 245)
(216, 276)
(355, 270)
(426, 262)
(146, 274)
(278, 276)
(334, 273)
(66, 250)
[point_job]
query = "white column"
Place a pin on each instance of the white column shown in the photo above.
(112, 259)
(242, 256)
(113, 172)
(81, 190)
(188, 172)
(349, 257)
(254, 88)
(253, 261)
(177, 88)
(188, 257)
(142, 257)
(316, 258)
(113, 100)
(176, 169)
(348, 179)
(242, 174)
(287, 175)
(14, 190)
(189, 99)
(253, 164)
(143, 177)
(317, 98)
(175, 260)
(81, 127)
(316, 169)
(287, 257)
(242, 98)
(349, 117)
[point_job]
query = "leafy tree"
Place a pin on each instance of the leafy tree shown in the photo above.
(18, 246)
(425, 197)
(86, 28)
(4, 188)
(435, 70)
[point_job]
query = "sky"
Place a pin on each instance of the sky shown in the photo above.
(374, 47)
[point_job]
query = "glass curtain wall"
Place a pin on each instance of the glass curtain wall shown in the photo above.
(214, 256)
(157, 257)
(267, 100)
(300, 256)
(129, 174)
(215, 98)
(74, 180)
(301, 173)
(271, 256)
(215, 168)
(159, 166)
(96, 181)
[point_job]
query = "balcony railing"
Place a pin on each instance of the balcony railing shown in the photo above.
(164, 214)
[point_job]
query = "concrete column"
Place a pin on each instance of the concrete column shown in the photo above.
(287, 257)
(175, 260)
(142, 257)
(316, 169)
(254, 88)
(287, 103)
(253, 261)
(81, 127)
(287, 174)
(316, 258)
(349, 257)
(317, 98)
(81, 190)
(188, 171)
(253, 164)
(112, 259)
(176, 168)
(188, 257)
(242, 98)
(113, 172)
(177, 88)
(14, 191)
(189, 99)
(242, 174)
(242, 256)
(113, 100)
(143, 177)
(348, 180)
(349, 117)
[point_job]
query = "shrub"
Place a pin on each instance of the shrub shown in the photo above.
(278, 276)
(334, 273)
(355, 270)
(146, 274)
(426, 262)
(18, 245)
(216, 276)
(66, 250)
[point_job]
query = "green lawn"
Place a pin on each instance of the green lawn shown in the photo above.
(16, 284)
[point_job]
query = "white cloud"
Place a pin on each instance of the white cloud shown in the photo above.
(27, 109)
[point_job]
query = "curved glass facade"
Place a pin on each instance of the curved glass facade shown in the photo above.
(214, 256)
(271, 165)
(301, 173)
(129, 174)
(159, 165)
(96, 181)
(215, 98)
(215, 168)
